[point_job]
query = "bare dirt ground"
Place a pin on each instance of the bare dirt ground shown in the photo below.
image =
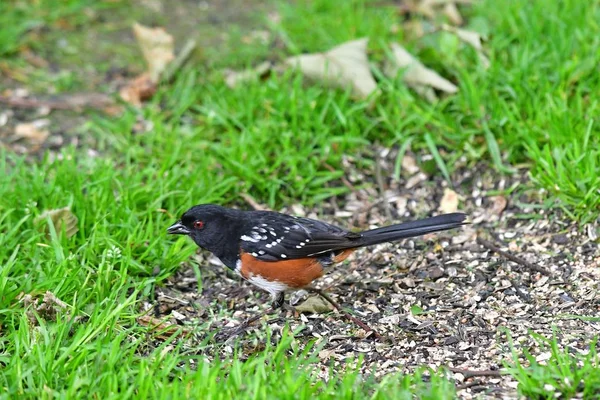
(442, 300)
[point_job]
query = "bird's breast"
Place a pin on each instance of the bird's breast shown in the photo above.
(276, 276)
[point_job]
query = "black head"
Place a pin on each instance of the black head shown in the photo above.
(207, 224)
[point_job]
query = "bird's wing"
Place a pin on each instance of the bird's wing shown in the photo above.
(277, 237)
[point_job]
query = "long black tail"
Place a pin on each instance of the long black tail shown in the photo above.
(414, 228)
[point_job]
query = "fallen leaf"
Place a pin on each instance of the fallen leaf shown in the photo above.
(162, 329)
(451, 11)
(471, 38)
(422, 79)
(60, 218)
(499, 203)
(34, 132)
(140, 89)
(342, 66)
(314, 305)
(234, 78)
(47, 310)
(449, 202)
(157, 47)
(423, 7)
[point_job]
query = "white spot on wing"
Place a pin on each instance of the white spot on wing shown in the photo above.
(261, 252)
(249, 239)
(283, 256)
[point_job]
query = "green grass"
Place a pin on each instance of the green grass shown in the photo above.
(563, 375)
(534, 106)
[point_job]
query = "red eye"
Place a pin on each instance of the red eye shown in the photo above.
(198, 224)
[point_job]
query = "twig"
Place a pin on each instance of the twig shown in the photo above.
(346, 314)
(490, 246)
(253, 203)
(467, 373)
(468, 385)
(75, 101)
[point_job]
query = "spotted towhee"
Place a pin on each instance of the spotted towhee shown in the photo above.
(279, 252)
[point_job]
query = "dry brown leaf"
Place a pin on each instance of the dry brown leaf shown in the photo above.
(140, 89)
(449, 202)
(471, 38)
(416, 75)
(47, 310)
(423, 7)
(451, 11)
(343, 66)
(157, 46)
(34, 132)
(60, 218)
(162, 329)
(314, 305)
(234, 78)
(499, 203)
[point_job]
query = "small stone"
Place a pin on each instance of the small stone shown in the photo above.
(408, 283)
(435, 273)
(561, 238)
(451, 340)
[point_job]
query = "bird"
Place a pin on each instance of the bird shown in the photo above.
(279, 252)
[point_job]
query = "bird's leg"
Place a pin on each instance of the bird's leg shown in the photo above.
(278, 301)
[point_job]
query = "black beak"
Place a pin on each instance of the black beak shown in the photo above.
(178, 229)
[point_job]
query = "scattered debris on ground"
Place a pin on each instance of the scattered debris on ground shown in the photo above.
(447, 299)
